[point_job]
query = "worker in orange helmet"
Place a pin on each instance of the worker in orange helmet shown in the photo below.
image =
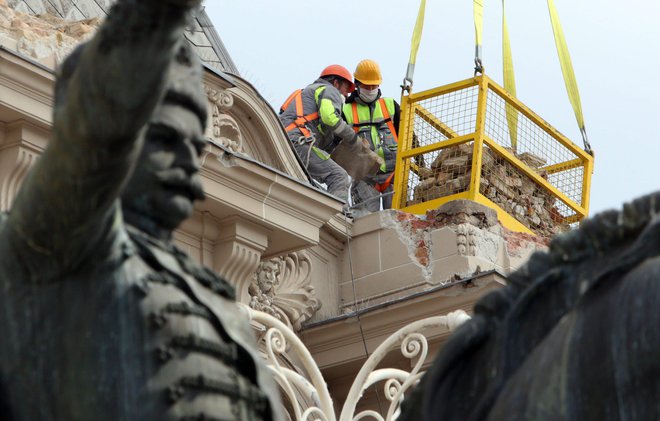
(376, 119)
(312, 120)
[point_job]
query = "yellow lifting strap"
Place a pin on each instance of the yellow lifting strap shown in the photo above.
(414, 47)
(509, 81)
(478, 29)
(567, 71)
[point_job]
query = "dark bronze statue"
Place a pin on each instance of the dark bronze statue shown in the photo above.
(101, 317)
(573, 336)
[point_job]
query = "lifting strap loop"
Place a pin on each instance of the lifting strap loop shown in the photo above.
(414, 47)
(478, 29)
(509, 81)
(567, 71)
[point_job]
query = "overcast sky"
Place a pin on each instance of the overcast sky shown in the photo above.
(282, 45)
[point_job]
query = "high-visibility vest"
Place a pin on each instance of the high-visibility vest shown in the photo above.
(301, 119)
(379, 130)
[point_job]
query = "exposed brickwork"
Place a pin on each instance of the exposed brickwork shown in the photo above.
(458, 216)
(501, 182)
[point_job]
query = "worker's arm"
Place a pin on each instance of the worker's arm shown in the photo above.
(330, 109)
(67, 208)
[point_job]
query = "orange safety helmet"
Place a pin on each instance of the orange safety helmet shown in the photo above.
(340, 71)
(368, 72)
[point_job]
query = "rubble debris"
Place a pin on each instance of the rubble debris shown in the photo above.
(501, 182)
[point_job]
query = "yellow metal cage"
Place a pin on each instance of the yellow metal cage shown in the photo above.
(472, 140)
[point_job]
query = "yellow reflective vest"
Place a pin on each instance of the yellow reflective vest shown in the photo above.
(374, 123)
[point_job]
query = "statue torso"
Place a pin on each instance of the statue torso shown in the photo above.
(152, 334)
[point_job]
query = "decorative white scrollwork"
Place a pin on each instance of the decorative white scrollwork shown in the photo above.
(414, 345)
(305, 389)
(303, 386)
(282, 288)
(224, 129)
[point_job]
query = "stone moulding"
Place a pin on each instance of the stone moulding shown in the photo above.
(224, 129)
(282, 288)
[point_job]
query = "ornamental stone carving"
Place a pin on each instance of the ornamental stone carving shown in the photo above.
(282, 288)
(224, 129)
(466, 239)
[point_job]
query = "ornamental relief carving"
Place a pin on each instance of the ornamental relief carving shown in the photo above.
(224, 129)
(282, 288)
(466, 239)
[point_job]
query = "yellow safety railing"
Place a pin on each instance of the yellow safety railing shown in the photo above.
(455, 143)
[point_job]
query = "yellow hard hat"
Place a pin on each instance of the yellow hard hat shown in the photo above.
(368, 72)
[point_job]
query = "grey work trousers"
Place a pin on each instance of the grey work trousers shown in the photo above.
(365, 197)
(325, 171)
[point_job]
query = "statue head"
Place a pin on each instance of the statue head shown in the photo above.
(267, 275)
(166, 181)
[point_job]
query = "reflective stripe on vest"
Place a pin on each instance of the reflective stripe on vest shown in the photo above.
(301, 120)
(388, 118)
(357, 124)
(386, 114)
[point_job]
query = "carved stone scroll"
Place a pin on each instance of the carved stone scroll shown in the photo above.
(224, 129)
(282, 288)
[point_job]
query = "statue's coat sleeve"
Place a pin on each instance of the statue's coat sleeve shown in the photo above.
(66, 213)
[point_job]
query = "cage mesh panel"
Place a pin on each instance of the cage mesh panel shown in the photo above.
(449, 167)
(447, 171)
(521, 197)
(533, 142)
(443, 172)
(457, 110)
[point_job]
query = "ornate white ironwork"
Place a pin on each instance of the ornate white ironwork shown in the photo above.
(305, 388)
(397, 382)
(307, 392)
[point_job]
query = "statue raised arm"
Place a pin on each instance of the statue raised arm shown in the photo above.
(102, 316)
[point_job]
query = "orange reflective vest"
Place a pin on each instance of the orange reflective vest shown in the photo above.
(301, 119)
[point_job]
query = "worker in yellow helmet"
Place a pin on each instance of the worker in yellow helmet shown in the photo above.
(376, 119)
(312, 119)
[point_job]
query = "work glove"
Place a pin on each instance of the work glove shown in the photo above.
(350, 141)
(354, 144)
(355, 156)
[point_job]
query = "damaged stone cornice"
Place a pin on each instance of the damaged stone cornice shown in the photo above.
(339, 340)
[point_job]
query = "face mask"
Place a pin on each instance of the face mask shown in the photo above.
(368, 96)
